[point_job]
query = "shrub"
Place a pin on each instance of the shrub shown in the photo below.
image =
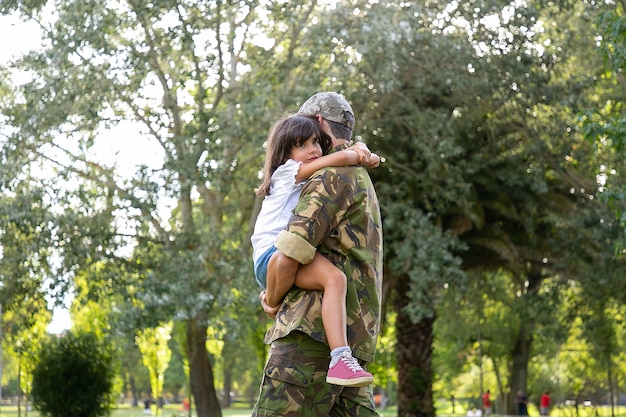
(73, 377)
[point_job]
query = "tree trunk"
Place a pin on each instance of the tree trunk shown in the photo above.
(609, 377)
(133, 392)
(227, 401)
(519, 367)
(414, 357)
(200, 371)
(501, 400)
(520, 354)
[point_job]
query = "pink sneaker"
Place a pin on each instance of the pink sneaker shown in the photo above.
(348, 372)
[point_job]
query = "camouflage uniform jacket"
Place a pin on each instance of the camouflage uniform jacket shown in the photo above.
(338, 215)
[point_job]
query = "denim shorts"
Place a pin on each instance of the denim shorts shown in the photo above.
(260, 266)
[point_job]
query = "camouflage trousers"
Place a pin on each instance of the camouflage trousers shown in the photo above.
(294, 384)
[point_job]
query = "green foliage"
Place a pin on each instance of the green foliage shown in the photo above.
(384, 368)
(73, 377)
(604, 124)
(176, 377)
(502, 186)
(156, 355)
(23, 344)
(7, 6)
(24, 238)
(422, 251)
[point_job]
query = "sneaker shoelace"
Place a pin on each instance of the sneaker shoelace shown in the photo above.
(352, 363)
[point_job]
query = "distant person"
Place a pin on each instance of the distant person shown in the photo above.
(384, 401)
(377, 399)
(522, 404)
(297, 147)
(474, 412)
(544, 403)
(487, 403)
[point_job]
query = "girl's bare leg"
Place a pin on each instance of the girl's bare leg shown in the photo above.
(281, 275)
(321, 274)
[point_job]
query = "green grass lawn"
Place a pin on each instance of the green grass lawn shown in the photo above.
(170, 410)
(174, 410)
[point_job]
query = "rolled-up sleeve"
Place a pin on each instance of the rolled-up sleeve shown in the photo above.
(295, 247)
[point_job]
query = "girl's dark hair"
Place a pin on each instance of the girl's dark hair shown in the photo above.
(287, 133)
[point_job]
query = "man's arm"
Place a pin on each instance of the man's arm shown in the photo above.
(281, 274)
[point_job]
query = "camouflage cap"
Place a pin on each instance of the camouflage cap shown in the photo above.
(331, 106)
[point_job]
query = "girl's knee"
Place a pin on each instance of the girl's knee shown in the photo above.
(339, 275)
(337, 281)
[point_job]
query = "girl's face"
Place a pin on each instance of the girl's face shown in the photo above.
(306, 151)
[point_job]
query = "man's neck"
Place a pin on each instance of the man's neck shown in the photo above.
(337, 142)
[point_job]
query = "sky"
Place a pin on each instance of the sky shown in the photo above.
(18, 37)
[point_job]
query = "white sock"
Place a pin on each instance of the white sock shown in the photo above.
(336, 353)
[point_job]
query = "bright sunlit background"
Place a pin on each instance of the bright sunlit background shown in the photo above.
(21, 37)
(121, 146)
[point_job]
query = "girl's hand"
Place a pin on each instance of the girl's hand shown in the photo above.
(270, 311)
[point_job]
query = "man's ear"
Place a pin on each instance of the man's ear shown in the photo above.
(323, 124)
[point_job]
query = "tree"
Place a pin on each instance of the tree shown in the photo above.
(25, 253)
(177, 73)
(22, 338)
(468, 129)
(176, 378)
(84, 364)
(603, 123)
(153, 344)
(477, 122)
(407, 119)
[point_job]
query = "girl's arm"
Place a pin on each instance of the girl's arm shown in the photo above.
(336, 159)
(355, 154)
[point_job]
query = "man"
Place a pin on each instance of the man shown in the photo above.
(522, 404)
(487, 403)
(338, 215)
(544, 406)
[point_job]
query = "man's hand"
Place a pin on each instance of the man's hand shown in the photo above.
(374, 161)
(270, 311)
(362, 151)
(366, 157)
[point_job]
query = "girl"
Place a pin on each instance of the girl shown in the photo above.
(296, 148)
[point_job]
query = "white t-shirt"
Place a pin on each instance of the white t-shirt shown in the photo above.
(277, 207)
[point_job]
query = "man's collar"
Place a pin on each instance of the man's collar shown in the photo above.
(342, 146)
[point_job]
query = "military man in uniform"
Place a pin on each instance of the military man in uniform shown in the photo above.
(338, 215)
